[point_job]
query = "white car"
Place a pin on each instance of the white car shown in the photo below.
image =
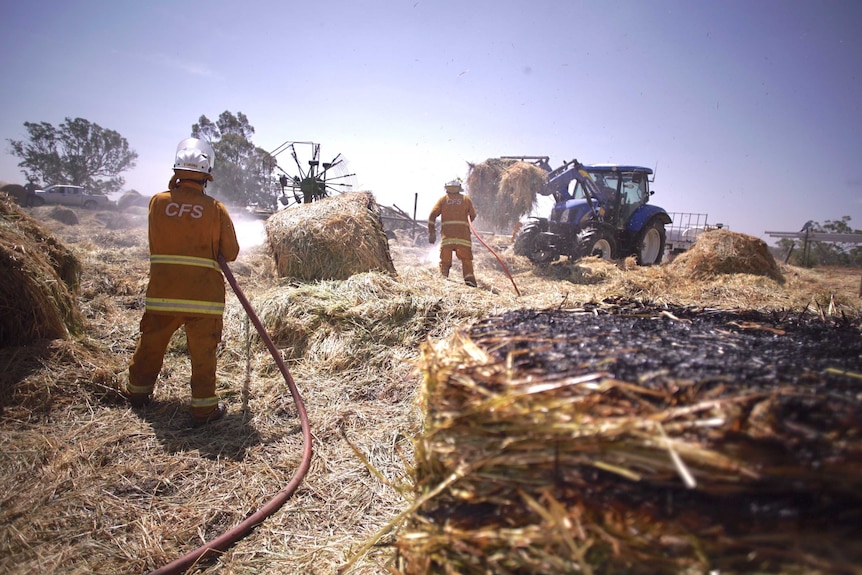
(72, 196)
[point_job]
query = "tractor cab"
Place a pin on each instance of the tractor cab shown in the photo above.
(620, 191)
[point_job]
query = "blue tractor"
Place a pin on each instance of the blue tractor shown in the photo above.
(599, 210)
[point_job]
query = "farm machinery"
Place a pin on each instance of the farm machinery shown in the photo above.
(599, 210)
(311, 180)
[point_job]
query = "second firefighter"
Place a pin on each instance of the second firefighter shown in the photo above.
(454, 209)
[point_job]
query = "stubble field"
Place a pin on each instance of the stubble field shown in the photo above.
(94, 486)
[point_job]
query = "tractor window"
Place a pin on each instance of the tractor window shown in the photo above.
(606, 182)
(633, 189)
(633, 194)
(576, 190)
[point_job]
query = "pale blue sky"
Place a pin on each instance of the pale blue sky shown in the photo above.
(750, 110)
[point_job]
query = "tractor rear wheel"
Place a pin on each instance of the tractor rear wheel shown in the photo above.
(597, 241)
(650, 244)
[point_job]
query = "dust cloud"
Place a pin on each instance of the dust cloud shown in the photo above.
(249, 232)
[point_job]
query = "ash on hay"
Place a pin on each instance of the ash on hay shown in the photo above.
(333, 238)
(624, 438)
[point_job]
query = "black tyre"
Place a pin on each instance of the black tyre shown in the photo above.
(37, 201)
(533, 243)
(597, 241)
(89, 205)
(650, 244)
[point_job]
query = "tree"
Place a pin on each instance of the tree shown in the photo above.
(242, 173)
(76, 152)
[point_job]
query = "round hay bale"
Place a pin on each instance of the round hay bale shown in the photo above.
(133, 198)
(504, 190)
(15, 191)
(64, 216)
(483, 182)
(117, 221)
(519, 187)
(40, 278)
(333, 238)
(719, 252)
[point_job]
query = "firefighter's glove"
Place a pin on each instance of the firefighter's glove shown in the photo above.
(432, 237)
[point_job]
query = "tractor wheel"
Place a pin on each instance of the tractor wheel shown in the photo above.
(650, 244)
(597, 241)
(533, 244)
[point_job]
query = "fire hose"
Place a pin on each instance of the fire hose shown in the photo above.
(228, 538)
(499, 259)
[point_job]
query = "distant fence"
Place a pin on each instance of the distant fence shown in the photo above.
(807, 236)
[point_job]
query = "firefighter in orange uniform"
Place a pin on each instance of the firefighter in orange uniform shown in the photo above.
(188, 230)
(454, 208)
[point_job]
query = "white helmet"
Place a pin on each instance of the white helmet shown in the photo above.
(453, 186)
(195, 155)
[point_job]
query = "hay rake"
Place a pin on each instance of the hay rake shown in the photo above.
(311, 179)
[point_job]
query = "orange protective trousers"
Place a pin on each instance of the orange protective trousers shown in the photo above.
(203, 335)
(464, 254)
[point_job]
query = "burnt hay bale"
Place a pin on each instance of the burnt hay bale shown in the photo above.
(333, 238)
(719, 252)
(40, 280)
(627, 438)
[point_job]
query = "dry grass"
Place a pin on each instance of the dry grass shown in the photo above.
(100, 488)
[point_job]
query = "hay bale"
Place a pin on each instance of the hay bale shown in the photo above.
(520, 185)
(333, 238)
(40, 279)
(16, 191)
(560, 442)
(504, 190)
(719, 252)
(483, 180)
(64, 216)
(132, 198)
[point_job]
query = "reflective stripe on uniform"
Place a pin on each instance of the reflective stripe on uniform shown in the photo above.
(204, 401)
(454, 223)
(181, 306)
(139, 389)
(456, 242)
(184, 260)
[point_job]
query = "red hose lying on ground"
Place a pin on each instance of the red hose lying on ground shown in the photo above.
(230, 537)
(499, 259)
